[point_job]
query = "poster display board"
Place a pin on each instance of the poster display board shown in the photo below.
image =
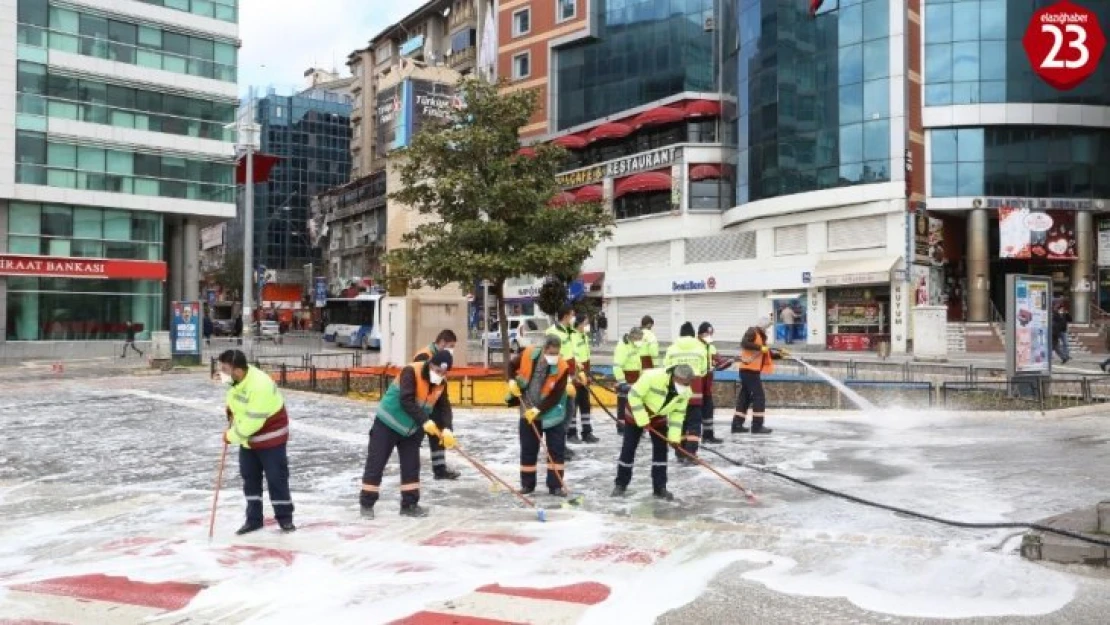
(185, 331)
(1028, 325)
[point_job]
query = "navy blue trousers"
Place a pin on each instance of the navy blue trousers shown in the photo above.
(273, 464)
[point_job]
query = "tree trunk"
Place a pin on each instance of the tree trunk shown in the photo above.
(503, 325)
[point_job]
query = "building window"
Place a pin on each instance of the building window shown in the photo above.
(791, 240)
(642, 204)
(522, 22)
(567, 10)
(223, 10)
(859, 233)
(522, 65)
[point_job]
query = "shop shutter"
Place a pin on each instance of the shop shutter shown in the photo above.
(720, 248)
(858, 233)
(631, 309)
(648, 255)
(791, 240)
(730, 313)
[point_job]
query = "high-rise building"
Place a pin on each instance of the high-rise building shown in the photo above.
(115, 150)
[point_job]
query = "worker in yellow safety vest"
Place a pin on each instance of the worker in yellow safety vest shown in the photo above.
(626, 369)
(688, 350)
(649, 350)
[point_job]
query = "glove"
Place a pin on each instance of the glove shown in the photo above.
(531, 414)
(582, 379)
(623, 388)
(674, 436)
(432, 429)
(764, 349)
(514, 388)
(448, 439)
(571, 391)
(230, 417)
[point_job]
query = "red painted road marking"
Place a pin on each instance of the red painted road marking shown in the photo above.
(588, 593)
(27, 622)
(438, 618)
(248, 554)
(143, 546)
(619, 554)
(460, 539)
(163, 595)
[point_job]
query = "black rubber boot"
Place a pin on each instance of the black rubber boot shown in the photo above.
(663, 494)
(415, 511)
(711, 439)
(619, 491)
(738, 425)
(287, 526)
(248, 528)
(572, 437)
(757, 426)
(558, 492)
(528, 491)
(446, 474)
(588, 437)
(367, 512)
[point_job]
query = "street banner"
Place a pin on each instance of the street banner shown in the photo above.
(185, 329)
(1031, 234)
(1028, 325)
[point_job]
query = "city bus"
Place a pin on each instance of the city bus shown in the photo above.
(354, 321)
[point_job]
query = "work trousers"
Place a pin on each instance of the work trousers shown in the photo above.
(273, 464)
(707, 415)
(556, 438)
(632, 436)
(691, 431)
(438, 454)
(751, 394)
(622, 409)
(382, 443)
(578, 408)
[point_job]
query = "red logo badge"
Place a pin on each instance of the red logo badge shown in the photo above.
(1064, 43)
(711, 282)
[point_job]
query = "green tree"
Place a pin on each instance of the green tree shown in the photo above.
(488, 208)
(230, 274)
(552, 297)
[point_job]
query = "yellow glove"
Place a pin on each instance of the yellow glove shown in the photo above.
(582, 379)
(431, 428)
(514, 388)
(571, 391)
(764, 349)
(531, 414)
(448, 438)
(674, 436)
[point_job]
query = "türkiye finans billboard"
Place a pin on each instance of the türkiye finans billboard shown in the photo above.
(401, 111)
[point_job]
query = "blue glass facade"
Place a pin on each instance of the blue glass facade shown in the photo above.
(1020, 161)
(812, 95)
(974, 55)
(645, 50)
(311, 132)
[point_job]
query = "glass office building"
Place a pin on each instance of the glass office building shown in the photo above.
(113, 154)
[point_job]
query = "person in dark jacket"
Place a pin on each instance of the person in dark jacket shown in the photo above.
(129, 341)
(756, 359)
(412, 407)
(237, 330)
(1060, 321)
(208, 329)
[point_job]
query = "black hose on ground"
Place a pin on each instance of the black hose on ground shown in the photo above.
(881, 506)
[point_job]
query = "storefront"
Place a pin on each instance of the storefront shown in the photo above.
(861, 302)
(858, 318)
(80, 273)
(790, 327)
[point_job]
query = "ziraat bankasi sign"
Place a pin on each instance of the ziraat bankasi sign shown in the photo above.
(97, 268)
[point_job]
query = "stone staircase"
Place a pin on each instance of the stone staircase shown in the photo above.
(983, 338)
(957, 338)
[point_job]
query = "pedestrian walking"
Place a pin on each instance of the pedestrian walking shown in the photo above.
(626, 369)
(688, 350)
(649, 351)
(580, 403)
(788, 318)
(657, 401)
(411, 407)
(1060, 320)
(237, 330)
(541, 387)
(129, 341)
(445, 342)
(756, 359)
(259, 425)
(602, 328)
(209, 328)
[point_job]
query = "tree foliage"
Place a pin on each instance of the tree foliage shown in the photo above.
(487, 208)
(552, 296)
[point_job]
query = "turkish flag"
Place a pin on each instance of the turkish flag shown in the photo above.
(263, 165)
(814, 5)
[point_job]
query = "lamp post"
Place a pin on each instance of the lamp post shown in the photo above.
(248, 129)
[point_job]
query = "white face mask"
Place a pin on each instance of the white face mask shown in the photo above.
(551, 360)
(436, 378)
(586, 328)
(707, 338)
(450, 350)
(637, 343)
(226, 378)
(681, 388)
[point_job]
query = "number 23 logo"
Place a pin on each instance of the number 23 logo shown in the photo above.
(1059, 36)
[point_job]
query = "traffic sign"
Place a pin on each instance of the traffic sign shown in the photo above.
(1064, 43)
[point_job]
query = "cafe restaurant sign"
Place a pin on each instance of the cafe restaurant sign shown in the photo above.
(645, 161)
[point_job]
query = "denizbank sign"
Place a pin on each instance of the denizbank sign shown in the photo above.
(645, 161)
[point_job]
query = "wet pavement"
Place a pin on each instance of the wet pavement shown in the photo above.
(110, 478)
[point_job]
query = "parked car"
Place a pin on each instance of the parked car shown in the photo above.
(268, 329)
(523, 332)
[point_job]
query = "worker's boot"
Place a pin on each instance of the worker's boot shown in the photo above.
(738, 425)
(444, 473)
(663, 494)
(619, 491)
(572, 437)
(757, 426)
(414, 510)
(710, 438)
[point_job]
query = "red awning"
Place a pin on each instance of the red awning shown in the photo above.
(703, 108)
(612, 130)
(529, 152)
(563, 199)
(705, 172)
(263, 165)
(590, 193)
(591, 278)
(643, 183)
(659, 116)
(571, 142)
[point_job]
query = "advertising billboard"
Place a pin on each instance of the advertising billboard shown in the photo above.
(185, 329)
(1028, 325)
(1034, 234)
(402, 111)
